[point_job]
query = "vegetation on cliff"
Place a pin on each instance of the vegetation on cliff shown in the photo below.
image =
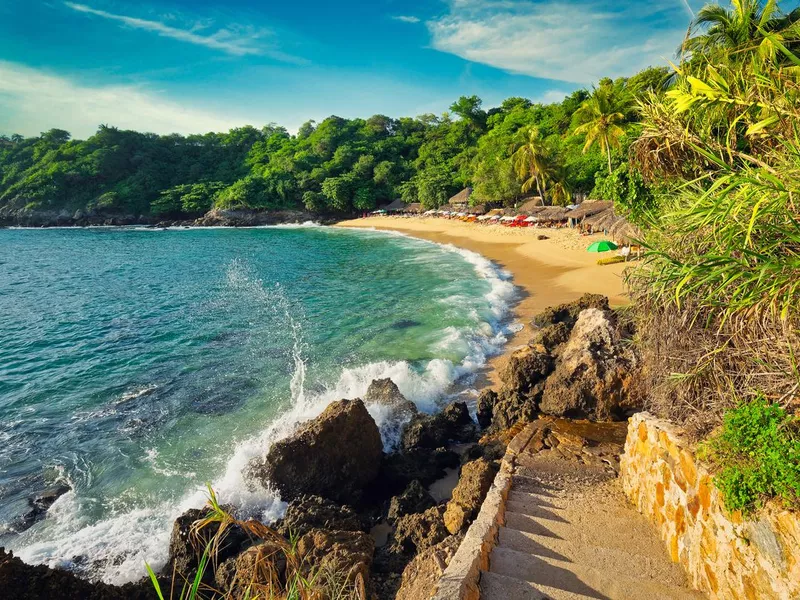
(719, 290)
(336, 166)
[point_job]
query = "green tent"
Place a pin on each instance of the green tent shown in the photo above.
(603, 246)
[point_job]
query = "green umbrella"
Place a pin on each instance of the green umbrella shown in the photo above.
(603, 246)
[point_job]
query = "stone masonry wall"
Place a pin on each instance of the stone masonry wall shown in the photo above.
(725, 556)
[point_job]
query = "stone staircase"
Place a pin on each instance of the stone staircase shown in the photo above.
(570, 534)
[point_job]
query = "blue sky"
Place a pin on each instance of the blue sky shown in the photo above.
(194, 66)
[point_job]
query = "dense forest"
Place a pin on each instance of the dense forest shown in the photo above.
(340, 166)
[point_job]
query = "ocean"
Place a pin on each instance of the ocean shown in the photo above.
(137, 365)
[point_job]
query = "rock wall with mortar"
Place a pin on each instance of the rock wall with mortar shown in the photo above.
(726, 556)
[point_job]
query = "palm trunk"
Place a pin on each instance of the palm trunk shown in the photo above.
(608, 154)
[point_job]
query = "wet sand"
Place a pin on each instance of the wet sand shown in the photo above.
(548, 272)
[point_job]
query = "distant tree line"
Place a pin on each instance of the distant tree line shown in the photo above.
(340, 166)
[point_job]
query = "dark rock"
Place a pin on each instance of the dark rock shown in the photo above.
(473, 484)
(334, 456)
(541, 236)
(594, 372)
(186, 548)
(486, 402)
(399, 469)
(491, 449)
(395, 409)
(20, 581)
(238, 576)
(414, 499)
(523, 382)
(418, 531)
(453, 424)
(552, 336)
(314, 512)
(568, 313)
(343, 552)
(39, 504)
(244, 218)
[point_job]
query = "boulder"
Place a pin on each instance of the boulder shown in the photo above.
(426, 465)
(487, 400)
(39, 504)
(453, 424)
(523, 382)
(594, 371)
(239, 577)
(474, 482)
(414, 499)
(568, 313)
(334, 456)
(345, 553)
(384, 398)
(421, 576)
(551, 337)
(20, 581)
(418, 531)
(186, 549)
(314, 512)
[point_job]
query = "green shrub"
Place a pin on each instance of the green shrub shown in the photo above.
(757, 452)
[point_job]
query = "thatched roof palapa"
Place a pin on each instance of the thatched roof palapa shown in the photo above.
(461, 198)
(529, 204)
(478, 209)
(414, 207)
(589, 208)
(396, 205)
(551, 214)
(624, 231)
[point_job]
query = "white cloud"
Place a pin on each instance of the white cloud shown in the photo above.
(32, 101)
(406, 19)
(578, 42)
(234, 40)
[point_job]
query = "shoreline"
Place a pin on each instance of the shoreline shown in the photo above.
(547, 272)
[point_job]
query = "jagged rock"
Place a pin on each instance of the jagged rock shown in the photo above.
(334, 456)
(243, 217)
(414, 499)
(474, 482)
(487, 400)
(593, 373)
(314, 512)
(421, 576)
(346, 552)
(418, 531)
(434, 431)
(20, 581)
(39, 504)
(186, 550)
(523, 381)
(239, 577)
(384, 397)
(423, 464)
(568, 313)
(551, 337)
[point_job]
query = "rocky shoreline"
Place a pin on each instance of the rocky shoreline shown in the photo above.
(213, 218)
(367, 518)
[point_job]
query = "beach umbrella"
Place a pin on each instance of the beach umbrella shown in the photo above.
(603, 246)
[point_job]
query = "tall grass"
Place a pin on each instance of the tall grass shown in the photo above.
(720, 284)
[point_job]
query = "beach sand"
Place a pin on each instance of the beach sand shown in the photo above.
(548, 272)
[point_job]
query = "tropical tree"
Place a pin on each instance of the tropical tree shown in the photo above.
(601, 118)
(530, 160)
(745, 25)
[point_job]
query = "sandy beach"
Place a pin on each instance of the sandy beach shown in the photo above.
(548, 272)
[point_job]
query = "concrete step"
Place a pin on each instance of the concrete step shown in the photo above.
(499, 587)
(616, 533)
(581, 579)
(611, 560)
(547, 500)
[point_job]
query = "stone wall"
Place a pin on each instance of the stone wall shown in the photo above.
(725, 556)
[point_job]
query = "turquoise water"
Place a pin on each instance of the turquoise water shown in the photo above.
(138, 364)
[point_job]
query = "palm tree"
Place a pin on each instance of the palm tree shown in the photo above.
(601, 117)
(740, 27)
(530, 160)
